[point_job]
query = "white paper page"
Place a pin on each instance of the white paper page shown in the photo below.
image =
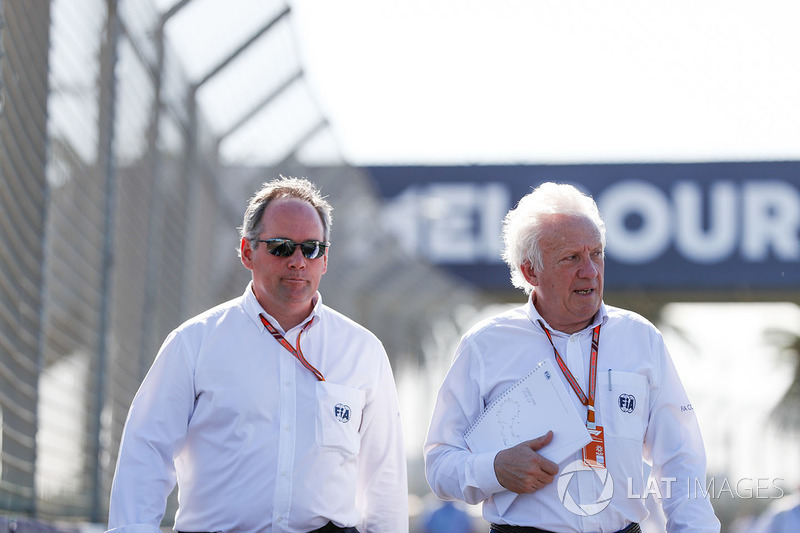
(528, 409)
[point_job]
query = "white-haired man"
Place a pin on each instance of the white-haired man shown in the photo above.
(616, 371)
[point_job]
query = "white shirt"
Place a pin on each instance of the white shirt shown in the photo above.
(654, 419)
(255, 441)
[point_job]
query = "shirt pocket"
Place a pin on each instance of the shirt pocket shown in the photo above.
(339, 410)
(625, 404)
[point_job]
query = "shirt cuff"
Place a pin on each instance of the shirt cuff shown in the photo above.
(485, 477)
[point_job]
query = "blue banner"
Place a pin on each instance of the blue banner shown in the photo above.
(676, 226)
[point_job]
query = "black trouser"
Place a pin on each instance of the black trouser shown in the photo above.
(330, 527)
(505, 528)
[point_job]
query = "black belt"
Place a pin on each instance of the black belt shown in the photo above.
(505, 528)
(330, 527)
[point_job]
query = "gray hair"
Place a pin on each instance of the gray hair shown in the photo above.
(522, 226)
(284, 187)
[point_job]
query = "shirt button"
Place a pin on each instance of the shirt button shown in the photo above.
(284, 473)
(287, 428)
(287, 383)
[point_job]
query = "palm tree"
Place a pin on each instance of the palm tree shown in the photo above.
(786, 413)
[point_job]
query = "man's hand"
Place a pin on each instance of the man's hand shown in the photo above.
(520, 469)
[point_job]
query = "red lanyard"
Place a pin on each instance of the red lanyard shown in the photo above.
(585, 400)
(295, 351)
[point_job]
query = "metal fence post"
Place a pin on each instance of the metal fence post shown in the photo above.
(108, 165)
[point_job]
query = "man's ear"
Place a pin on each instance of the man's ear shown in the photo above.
(529, 273)
(246, 253)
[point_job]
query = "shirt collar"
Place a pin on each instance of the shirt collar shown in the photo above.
(601, 317)
(253, 309)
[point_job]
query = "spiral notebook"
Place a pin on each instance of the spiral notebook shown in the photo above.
(528, 409)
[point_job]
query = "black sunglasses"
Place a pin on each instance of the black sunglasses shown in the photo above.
(285, 247)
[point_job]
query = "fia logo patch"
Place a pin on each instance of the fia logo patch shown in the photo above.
(342, 413)
(627, 403)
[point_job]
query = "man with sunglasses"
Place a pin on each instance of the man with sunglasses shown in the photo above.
(273, 412)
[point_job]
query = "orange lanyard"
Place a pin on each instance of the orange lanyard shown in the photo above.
(295, 351)
(587, 400)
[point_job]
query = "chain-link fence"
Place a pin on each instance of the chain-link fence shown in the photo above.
(23, 204)
(96, 210)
